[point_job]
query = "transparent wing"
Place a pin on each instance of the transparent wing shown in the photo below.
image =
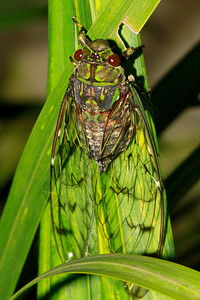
(71, 188)
(131, 212)
(119, 210)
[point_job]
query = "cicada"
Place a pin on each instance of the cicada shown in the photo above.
(106, 186)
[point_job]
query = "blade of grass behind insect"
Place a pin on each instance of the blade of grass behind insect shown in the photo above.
(26, 201)
(133, 13)
(61, 30)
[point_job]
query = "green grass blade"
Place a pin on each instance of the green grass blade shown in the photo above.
(170, 279)
(133, 13)
(26, 201)
(61, 30)
(138, 16)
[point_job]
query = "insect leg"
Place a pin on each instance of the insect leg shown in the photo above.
(129, 51)
(82, 30)
(81, 35)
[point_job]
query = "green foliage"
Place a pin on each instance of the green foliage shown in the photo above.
(162, 276)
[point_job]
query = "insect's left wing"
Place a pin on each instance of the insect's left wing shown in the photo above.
(130, 209)
(154, 172)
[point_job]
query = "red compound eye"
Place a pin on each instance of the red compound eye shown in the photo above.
(114, 60)
(78, 55)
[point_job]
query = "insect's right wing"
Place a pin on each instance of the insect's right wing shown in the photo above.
(71, 193)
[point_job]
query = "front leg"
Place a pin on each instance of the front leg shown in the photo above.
(130, 50)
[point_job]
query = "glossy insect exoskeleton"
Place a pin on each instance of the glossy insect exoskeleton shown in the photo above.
(102, 103)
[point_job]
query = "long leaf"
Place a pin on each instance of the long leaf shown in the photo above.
(173, 280)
